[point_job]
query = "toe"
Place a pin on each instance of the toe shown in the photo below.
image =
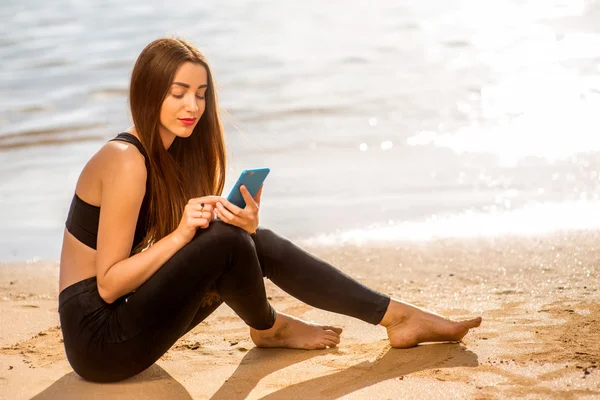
(334, 328)
(473, 323)
(333, 337)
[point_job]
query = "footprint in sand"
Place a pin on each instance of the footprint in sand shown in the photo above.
(41, 350)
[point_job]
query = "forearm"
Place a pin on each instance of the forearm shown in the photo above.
(130, 273)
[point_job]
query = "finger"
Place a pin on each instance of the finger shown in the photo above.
(203, 207)
(199, 222)
(195, 212)
(226, 213)
(258, 195)
(211, 199)
(248, 197)
(330, 343)
(205, 200)
(199, 214)
(235, 210)
(220, 216)
(224, 218)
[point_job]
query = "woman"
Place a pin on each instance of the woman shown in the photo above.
(144, 260)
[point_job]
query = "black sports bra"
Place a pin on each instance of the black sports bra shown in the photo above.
(83, 218)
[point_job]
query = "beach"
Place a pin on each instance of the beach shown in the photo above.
(443, 152)
(539, 297)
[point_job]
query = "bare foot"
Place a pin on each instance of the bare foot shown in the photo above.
(408, 325)
(293, 333)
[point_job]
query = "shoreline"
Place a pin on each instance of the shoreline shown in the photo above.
(539, 297)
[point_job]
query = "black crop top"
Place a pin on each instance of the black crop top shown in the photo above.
(83, 218)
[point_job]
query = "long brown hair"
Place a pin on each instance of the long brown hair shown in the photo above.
(193, 166)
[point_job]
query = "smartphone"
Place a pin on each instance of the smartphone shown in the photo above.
(253, 180)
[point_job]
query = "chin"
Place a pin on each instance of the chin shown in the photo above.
(168, 134)
(183, 132)
(186, 133)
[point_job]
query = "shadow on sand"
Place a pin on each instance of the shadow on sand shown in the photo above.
(152, 384)
(156, 383)
(259, 363)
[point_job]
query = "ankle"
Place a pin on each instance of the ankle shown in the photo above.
(397, 312)
(274, 328)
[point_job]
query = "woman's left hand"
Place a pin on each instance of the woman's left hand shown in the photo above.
(245, 218)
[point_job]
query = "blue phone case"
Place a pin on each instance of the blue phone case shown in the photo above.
(252, 179)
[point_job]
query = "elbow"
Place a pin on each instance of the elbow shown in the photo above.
(106, 294)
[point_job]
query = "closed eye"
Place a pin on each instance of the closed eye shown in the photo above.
(180, 96)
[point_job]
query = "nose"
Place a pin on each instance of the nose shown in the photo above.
(190, 103)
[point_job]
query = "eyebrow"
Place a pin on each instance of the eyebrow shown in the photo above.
(185, 85)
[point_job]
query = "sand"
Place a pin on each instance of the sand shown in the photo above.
(539, 297)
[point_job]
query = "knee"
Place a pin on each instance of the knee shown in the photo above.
(268, 243)
(263, 236)
(223, 234)
(219, 244)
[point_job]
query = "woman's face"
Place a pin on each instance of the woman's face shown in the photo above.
(184, 104)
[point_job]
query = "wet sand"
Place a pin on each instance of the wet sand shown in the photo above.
(539, 297)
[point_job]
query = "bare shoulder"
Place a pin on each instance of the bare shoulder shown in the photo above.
(117, 159)
(117, 154)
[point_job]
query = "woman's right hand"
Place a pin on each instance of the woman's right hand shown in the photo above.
(198, 213)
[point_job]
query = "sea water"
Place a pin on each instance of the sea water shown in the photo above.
(380, 121)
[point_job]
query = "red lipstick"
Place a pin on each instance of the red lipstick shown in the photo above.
(188, 121)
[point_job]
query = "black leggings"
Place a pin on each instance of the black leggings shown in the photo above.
(110, 342)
